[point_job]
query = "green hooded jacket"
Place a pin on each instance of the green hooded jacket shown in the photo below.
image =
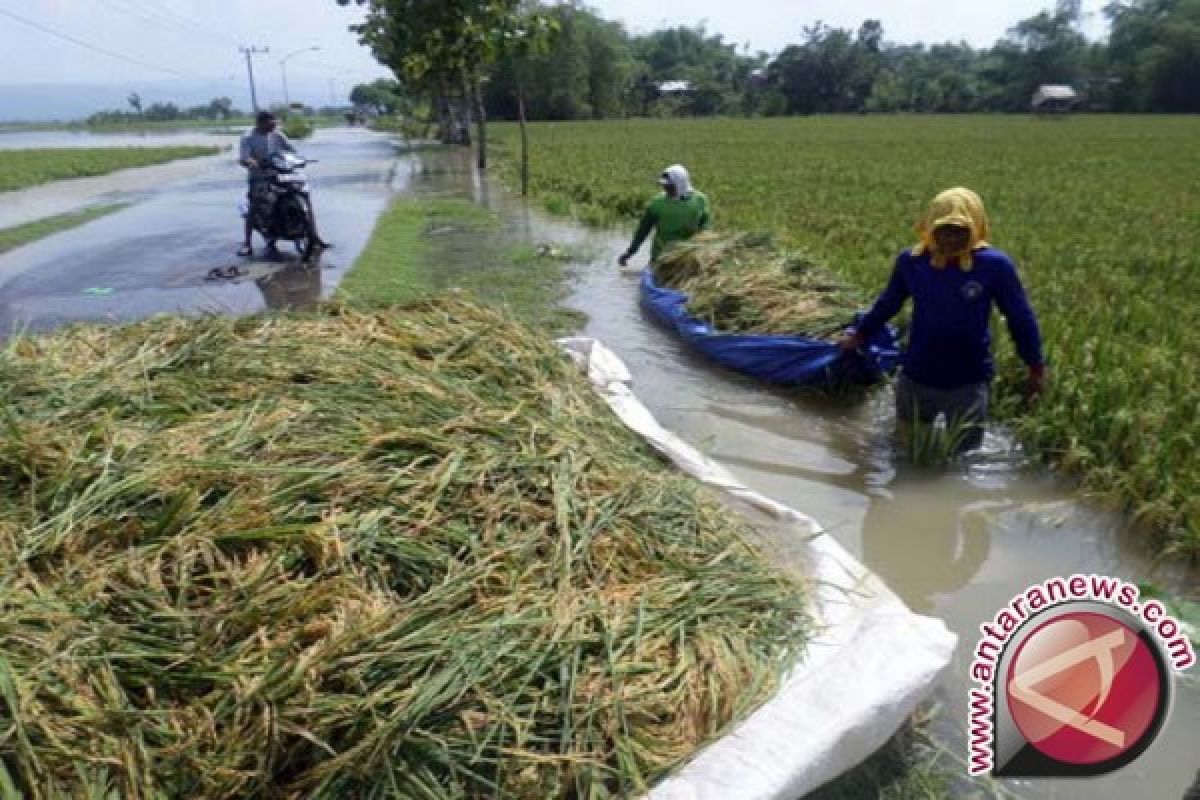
(673, 219)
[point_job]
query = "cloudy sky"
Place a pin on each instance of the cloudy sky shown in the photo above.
(184, 41)
(193, 43)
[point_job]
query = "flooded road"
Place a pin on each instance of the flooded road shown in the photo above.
(957, 545)
(155, 256)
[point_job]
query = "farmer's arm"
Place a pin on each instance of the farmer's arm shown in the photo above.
(705, 215)
(644, 228)
(887, 306)
(1022, 322)
(244, 157)
(1022, 326)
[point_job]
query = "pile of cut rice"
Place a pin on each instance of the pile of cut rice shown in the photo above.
(356, 555)
(743, 283)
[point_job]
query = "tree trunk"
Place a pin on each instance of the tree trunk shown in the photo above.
(430, 121)
(446, 123)
(480, 119)
(524, 138)
(465, 128)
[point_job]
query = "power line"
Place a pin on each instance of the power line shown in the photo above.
(89, 45)
(180, 20)
(145, 15)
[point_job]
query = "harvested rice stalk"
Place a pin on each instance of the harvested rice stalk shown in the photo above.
(742, 283)
(402, 554)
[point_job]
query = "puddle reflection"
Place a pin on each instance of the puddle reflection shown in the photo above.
(925, 541)
(295, 287)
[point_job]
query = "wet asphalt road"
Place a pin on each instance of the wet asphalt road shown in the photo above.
(156, 255)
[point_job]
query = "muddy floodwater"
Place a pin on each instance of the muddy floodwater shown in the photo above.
(957, 544)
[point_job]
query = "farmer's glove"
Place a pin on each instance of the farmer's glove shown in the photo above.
(1036, 382)
(624, 259)
(850, 342)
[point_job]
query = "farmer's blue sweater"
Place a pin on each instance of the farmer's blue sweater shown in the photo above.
(949, 344)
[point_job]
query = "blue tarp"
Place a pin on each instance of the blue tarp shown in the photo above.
(779, 360)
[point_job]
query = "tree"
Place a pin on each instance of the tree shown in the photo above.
(1154, 55)
(383, 96)
(135, 100)
(163, 112)
(820, 74)
(450, 41)
(1052, 50)
(220, 108)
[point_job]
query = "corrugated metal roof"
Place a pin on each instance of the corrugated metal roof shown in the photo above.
(675, 86)
(1054, 92)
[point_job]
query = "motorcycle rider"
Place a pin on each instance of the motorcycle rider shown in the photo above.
(257, 148)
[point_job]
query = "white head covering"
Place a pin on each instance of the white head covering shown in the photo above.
(677, 175)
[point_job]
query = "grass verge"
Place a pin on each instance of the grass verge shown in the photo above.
(21, 235)
(20, 169)
(421, 246)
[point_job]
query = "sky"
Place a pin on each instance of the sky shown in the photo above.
(190, 44)
(187, 50)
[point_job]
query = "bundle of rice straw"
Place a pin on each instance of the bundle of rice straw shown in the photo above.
(401, 554)
(743, 283)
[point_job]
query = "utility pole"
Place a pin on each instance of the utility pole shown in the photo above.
(287, 100)
(250, 52)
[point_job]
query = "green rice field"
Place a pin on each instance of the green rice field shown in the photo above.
(20, 169)
(1102, 214)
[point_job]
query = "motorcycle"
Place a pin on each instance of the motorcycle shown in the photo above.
(278, 209)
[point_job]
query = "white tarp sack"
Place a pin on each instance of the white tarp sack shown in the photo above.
(868, 667)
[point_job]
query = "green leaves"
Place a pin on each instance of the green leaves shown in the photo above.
(417, 38)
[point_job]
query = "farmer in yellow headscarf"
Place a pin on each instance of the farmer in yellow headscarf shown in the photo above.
(954, 277)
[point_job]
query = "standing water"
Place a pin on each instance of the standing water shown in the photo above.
(957, 545)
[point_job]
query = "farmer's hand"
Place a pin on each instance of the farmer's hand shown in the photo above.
(850, 342)
(624, 259)
(1035, 384)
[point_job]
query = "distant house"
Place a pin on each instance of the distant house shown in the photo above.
(1055, 99)
(674, 87)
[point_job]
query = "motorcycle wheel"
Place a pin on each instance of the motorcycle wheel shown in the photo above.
(306, 245)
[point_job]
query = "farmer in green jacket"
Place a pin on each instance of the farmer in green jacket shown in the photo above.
(675, 215)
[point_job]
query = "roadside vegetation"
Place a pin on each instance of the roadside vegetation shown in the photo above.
(1099, 212)
(20, 169)
(424, 246)
(236, 124)
(20, 235)
(218, 113)
(297, 127)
